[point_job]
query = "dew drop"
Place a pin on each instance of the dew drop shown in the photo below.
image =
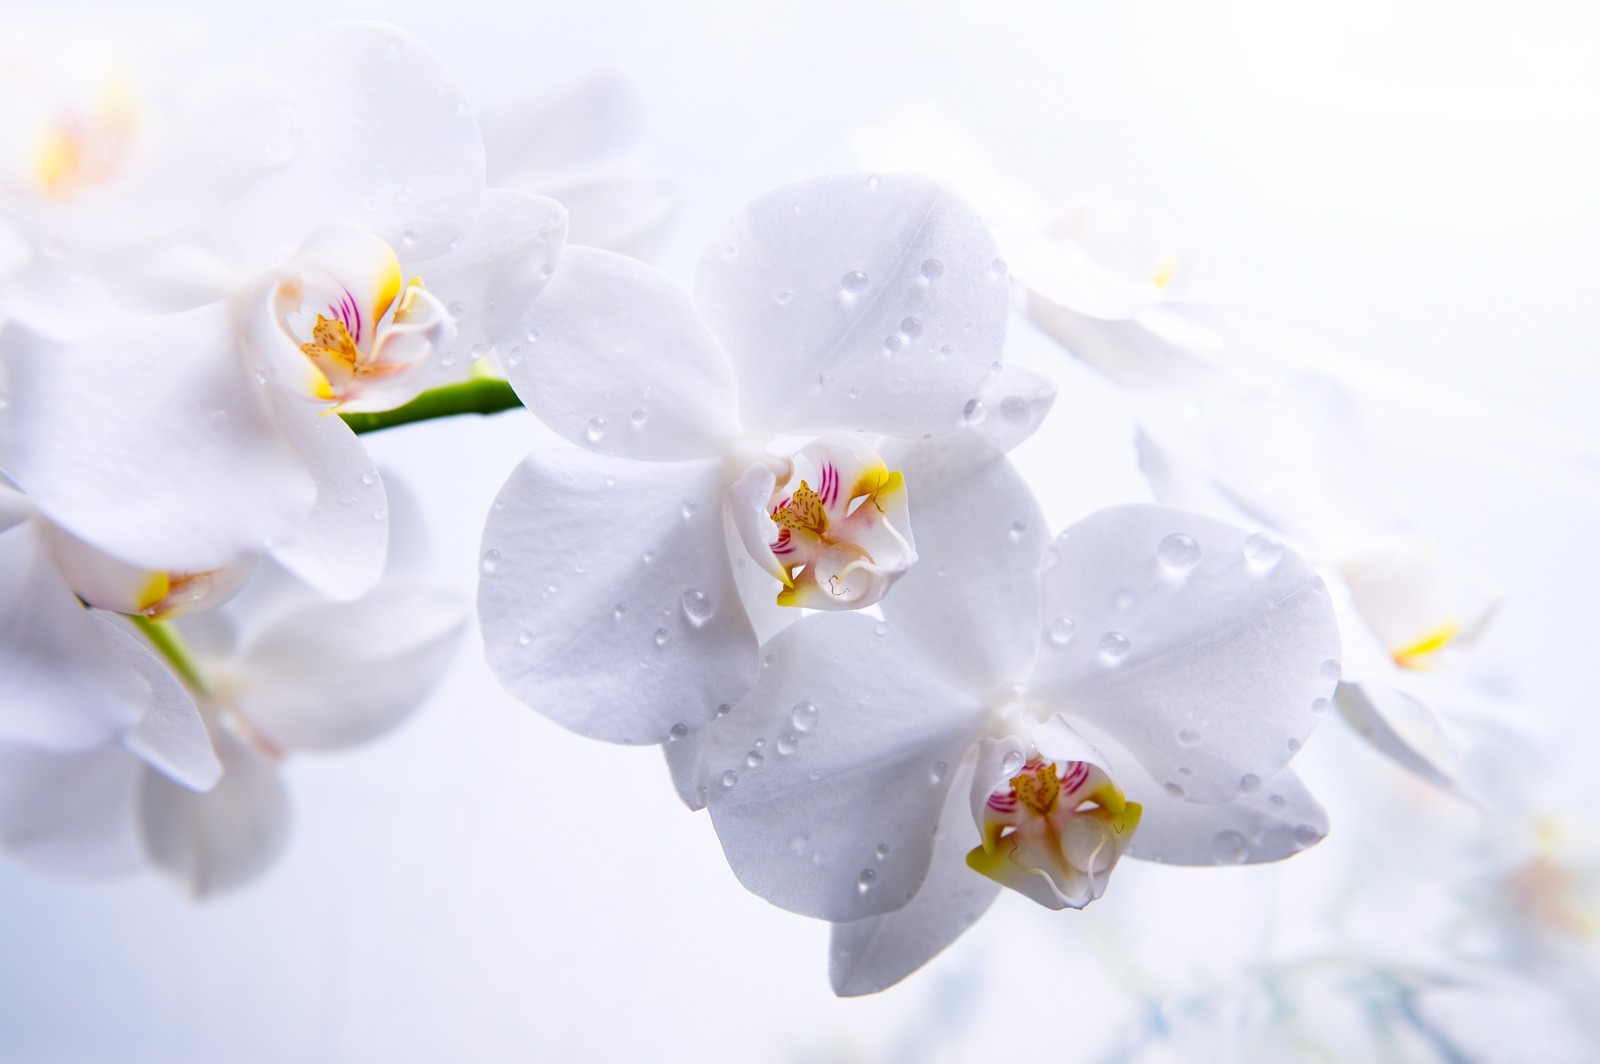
(1229, 847)
(409, 237)
(457, 310)
(1293, 745)
(1061, 631)
(611, 481)
(814, 776)
(648, 555)
(853, 282)
(1249, 783)
(804, 717)
(937, 775)
(1277, 801)
(754, 759)
(912, 328)
(1114, 646)
(677, 731)
(524, 638)
(798, 844)
(1178, 552)
(787, 744)
(1306, 835)
(661, 637)
(533, 336)
(998, 267)
(619, 612)
(723, 710)
(1015, 409)
(1188, 736)
(369, 477)
(688, 510)
(1320, 707)
(974, 411)
(595, 431)
(882, 851)
(638, 416)
(729, 778)
(491, 561)
(874, 181)
(1050, 560)
(784, 298)
(1330, 669)
(514, 357)
(865, 880)
(932, 269)
(380, 515)
(892, 343)
(1262, 551)
(1012, 763)
(1173, 789)
(697, 607)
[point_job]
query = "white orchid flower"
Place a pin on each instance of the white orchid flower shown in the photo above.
(1106, 280)
(1029, 710)
(278, 670)
(608, 599)
(582, 144)
(340, 280)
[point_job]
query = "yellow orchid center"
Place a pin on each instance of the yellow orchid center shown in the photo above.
(1421, 654)
(834, 545)
(1055, 833)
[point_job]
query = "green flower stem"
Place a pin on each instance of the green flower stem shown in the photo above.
(170, 645)
(482, 396)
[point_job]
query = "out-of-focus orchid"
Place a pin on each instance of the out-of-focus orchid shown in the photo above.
(1032, 710)
(277, 670)
(337, 280)
(845, 303)
(582, 144)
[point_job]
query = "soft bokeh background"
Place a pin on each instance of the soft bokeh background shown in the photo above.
(1411, 184)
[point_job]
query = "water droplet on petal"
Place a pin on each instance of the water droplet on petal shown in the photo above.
(1012, 763)
(1262, 551)
(619, 612)
(892, 343)
(409, 237)
(865, 880)
(1229, 847)
(754, 759)
(874, 181)
(729, 778)
(661, 637)
(638, 416)
(524, 638)
(1277, 801)
(677, 731)
(688, 509)
(882, 851)
(369, 477)
(1293, 745)
(458, 310)
(1320, 707)
(595, 431)
(533, 336)
(723, 710)
(1015, 409)
(853, 282)
(697, 607)
(1306, 835)
(1188, 736)
(1017, 530)
(648, 556)
(1173, 789)
(1249, 783)
(804, 717)
(912, 328)
(1061, 631)
(974, 411)
(939, 769)
(932, 269)
(1178, 552)
(1114, 646)
(491, 561)
(1331, 670)
(787, 744)
(784, 298)
(998, 267)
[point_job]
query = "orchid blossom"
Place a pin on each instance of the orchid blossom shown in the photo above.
(1029, 710)
(336, 281)
(716, 446)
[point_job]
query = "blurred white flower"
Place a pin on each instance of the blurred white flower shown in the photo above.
(1137, 686)
(845, 303)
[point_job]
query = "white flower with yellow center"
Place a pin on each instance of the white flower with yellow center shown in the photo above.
(1029, 710)
(194, 425)
(611, 590)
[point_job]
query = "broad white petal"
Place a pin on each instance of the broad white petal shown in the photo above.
(1062, 274)
(214, 842)
(337, 675)
(152, 442)
(826, 782)
(1167, 346)
(546, 136)
(1414, 608)
(851, 302)
(866, 956)
(71, 813)
(63, 686)
(492, 277)
(620, 213)
(607, 600)
(619, 361)
(170, 736)
(1410, 732)
(14, 506)
(340, 546)
(1211, 654)
(1010, 405)
(971, 603)
(386, 141)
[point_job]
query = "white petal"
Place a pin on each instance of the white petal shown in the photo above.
(223, 839)
(14, 506)
(852, 302)
(170, 736)
(151, 442)
(1267, 820)
(865, 956)
(1062, 274)
(971, 603)
(547, 136)
(832, 815)
(996, 761)
(1011, 404)
(607, 600)
(62, 684)
(337, 675)
(619, 361)
(1410, 732)
(625, 214)
(492, 277)
(1413, 607)
(71, 813)
(1198, 647)
(340, 546)
(1169, 346)
(386, 140)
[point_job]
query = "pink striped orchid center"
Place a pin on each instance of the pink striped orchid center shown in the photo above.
(841, 543)
(1055, 832)
(360, 329)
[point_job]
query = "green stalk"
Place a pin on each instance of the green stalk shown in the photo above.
(170, 645)
(482, 396)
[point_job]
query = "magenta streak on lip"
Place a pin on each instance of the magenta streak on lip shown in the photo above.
(1003, 801)
(347, 312)
(830, 484)
(1076, 778)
